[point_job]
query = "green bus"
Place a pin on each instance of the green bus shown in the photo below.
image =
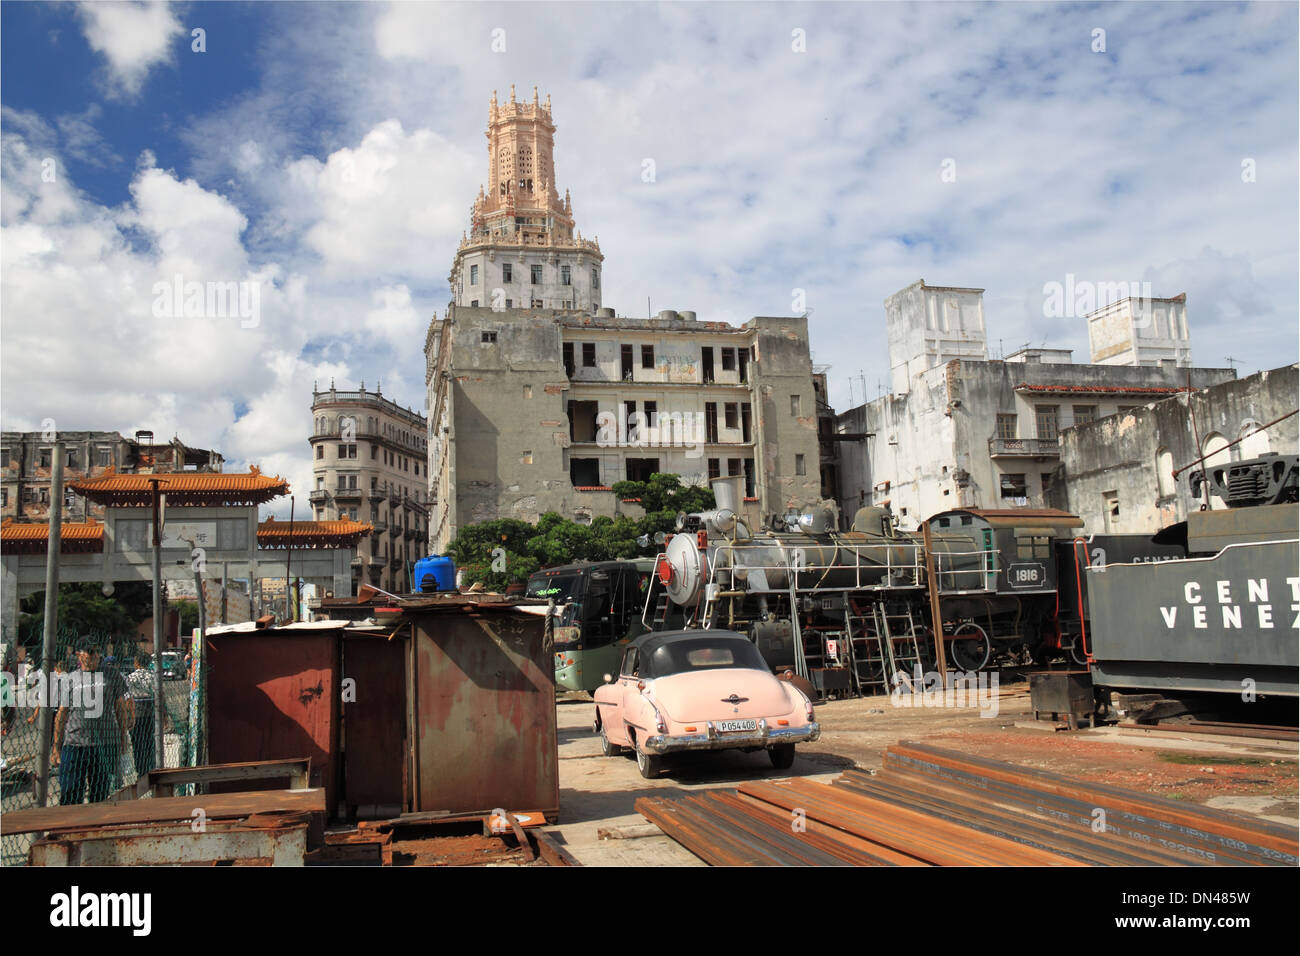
(598, 610)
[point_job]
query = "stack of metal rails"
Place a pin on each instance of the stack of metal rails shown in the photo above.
(936, 807)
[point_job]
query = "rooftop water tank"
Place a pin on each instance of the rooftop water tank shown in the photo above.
(435, 573)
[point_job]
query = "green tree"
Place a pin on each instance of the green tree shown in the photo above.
(556, 540)
(83, 608)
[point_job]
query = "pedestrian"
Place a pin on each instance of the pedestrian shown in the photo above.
(90, 724)
(140, 684)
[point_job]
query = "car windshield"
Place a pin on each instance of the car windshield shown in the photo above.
(705, 653)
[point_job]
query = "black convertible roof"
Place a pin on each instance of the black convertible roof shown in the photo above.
(652, 641)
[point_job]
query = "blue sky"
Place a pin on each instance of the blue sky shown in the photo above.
(330, 153)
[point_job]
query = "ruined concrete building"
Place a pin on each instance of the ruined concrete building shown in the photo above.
(960, 430)
(540, 399)
(368, 465)
(26, 459)
(1118, 472)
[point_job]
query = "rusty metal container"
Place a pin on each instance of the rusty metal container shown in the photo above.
(274, 694)
(483, 706)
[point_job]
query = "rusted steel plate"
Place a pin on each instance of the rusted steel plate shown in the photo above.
(275, 696)
(1079, 816)
(551, 852)
(215, 806)
(837, 841)
(908, 831)
(175, 844)
(709, 839)
(840, 848)
(485, 712)
(977, 812)
(374, 719)
(1224, 833)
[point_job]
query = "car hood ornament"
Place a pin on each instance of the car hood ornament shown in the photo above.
(733, 699)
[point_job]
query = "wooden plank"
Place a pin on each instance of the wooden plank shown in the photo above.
(215, 806)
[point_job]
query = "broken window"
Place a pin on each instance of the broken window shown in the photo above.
(582, 421)
(647, 356)
(567, 349)
(746, 421)
(640, 469)
(625, 361)
(588, 354)
(706, 356)
(1013, 486)
(728, 360)
(711, 422)
(584, 472)
(744, 365)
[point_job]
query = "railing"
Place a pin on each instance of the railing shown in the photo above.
(347, 494)
(319, 495)
(1024, 447)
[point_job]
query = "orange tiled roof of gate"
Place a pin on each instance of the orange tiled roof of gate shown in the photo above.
(40, 531)
(252, 486)
(34, 537)
(272, 533)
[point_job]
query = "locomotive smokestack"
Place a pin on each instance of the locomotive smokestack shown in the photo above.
(726, 492)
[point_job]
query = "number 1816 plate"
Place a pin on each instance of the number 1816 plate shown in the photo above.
(730, 726)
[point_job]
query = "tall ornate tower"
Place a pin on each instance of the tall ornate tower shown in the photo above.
(522, 250)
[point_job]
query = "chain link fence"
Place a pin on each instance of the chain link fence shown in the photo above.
(102, 704)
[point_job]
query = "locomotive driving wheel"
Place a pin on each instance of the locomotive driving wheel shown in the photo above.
(970, 647)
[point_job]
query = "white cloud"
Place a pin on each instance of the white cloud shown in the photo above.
(132, 37)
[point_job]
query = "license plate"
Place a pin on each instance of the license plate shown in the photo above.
(730, 726)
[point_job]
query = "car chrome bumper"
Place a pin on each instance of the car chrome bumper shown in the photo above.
(764, 736)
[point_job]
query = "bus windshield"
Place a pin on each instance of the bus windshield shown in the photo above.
(562, 587)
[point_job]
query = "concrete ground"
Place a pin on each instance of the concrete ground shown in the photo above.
(600, 792)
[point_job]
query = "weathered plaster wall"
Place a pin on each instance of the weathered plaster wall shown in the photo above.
(1131, 456)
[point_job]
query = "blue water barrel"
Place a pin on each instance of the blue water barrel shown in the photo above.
(435, 573)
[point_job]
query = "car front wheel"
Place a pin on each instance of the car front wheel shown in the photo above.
(782, 756)
(648, 764)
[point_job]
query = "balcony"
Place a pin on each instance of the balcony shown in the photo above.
(1024, 448)
(347, 494)
(319, 496)
(379, 524)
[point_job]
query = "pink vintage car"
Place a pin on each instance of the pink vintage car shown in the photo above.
(699, 690)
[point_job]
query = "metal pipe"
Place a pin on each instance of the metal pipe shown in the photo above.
(46, 725)
(158, 698)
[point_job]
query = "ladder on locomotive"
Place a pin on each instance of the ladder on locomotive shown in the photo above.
(880, 644)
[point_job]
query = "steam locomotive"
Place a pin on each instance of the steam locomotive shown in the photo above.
(846, 610)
